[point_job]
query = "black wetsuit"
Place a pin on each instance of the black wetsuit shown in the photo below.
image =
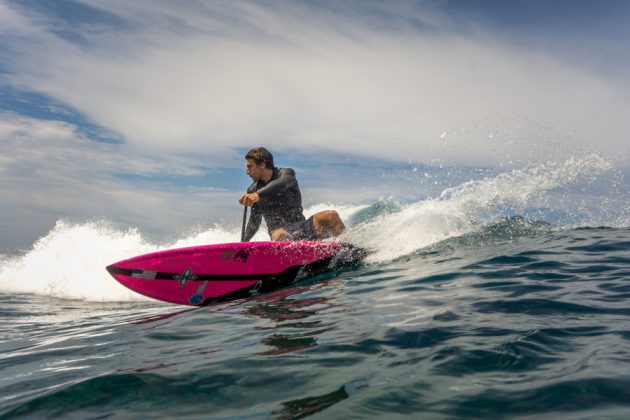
(280, 203)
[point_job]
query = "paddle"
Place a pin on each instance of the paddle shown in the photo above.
(244, 222)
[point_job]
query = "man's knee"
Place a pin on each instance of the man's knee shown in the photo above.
(327, 217)
(328, 223)
(280, 235)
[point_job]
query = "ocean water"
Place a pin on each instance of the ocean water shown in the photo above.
(503, 297)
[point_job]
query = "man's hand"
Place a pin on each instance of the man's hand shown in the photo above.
(249, 199)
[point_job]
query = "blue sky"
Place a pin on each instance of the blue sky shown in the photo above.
(140, 112)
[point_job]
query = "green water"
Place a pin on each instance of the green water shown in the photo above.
(506, 323)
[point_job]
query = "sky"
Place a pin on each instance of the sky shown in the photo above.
(139, 113)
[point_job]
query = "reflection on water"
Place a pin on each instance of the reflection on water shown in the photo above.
(303, 407)
(289, 343)
(154, 318)
(284, 309)
(292, 329)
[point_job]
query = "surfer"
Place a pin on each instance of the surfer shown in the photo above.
(275, 195)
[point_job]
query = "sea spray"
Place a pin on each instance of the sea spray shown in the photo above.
(466, 208)
(75, 254)
(69, 262)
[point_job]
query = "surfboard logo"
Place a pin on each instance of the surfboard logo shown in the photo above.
(195, 299)
(254, 290)
(302, 273)
(185, 277)
(144, 274)
(241, 256)
(238, 256)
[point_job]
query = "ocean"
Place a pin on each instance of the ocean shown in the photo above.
(501, 297)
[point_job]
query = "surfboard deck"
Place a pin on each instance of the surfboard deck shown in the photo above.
(202, 275)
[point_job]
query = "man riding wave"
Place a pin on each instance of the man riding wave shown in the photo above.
(275, 195)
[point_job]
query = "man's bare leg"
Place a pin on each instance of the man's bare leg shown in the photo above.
(328, 223)
(280, 235)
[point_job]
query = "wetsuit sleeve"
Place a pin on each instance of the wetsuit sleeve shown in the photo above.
(286, 179)
(253, 224)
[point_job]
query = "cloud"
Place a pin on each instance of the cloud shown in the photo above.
(49, 171)
(185, 78)
(189, 86)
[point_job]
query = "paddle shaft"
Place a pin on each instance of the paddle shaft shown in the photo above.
(244, 223)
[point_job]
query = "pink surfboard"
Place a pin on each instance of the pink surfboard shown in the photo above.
(201, 275)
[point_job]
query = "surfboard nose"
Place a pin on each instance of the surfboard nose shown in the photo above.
(112, 269)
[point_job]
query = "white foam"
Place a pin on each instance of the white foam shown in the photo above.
(458, 210)
(69, 262)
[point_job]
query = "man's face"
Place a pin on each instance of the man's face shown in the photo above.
(254, 171)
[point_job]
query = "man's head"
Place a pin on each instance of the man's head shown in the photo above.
(259, 162)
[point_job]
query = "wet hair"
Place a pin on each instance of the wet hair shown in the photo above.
(261, 155)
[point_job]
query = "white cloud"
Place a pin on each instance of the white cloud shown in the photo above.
(49, 172)
(194, 77)
(186, 84)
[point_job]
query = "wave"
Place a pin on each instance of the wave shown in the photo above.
(552, 189)
(69, 262)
